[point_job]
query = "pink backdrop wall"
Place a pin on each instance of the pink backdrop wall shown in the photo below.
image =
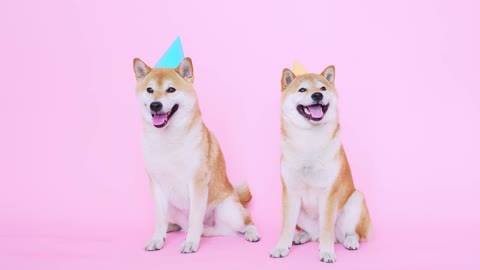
(73, 188)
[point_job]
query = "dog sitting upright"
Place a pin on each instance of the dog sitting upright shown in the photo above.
(187, 172)
(319, 198)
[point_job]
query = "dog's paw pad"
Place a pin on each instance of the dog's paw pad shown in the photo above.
(327, 257)
(279, 252)
(301, 238)
(189, 247)
(351, 242)
(155, 244)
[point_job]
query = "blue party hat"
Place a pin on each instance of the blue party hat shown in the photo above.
(173, 56)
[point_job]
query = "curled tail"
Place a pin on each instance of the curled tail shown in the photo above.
(243, 193)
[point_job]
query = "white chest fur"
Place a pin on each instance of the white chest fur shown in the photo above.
(171, 160)
(310, 159)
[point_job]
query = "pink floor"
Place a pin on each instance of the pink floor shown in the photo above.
(397, 248)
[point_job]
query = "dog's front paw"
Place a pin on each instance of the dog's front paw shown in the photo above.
(328, 257)
(155, 244)
(189, 247)
(279, 252)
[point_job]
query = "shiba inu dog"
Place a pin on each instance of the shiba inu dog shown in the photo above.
(186, 167)
(319, 198)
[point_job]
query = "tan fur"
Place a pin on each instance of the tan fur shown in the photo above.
(247, 218)
(364, 226)
(342, 187)
(295, 85)
(243, 193)
(335, 133)
(162, 74)
(219, 187)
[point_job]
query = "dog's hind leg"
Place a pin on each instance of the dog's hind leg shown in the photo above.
(353, 223)
(232, 218)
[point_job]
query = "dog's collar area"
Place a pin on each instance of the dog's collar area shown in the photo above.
(161, 119)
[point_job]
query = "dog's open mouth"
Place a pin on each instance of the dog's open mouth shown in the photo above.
(314, 112)
(161, 119)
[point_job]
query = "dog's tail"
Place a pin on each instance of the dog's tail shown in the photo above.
(243, 193)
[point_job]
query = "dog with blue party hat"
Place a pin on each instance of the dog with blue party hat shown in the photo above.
(183, 159)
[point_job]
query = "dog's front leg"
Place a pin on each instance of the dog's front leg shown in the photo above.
(198, 206)
(161, 222)
(291, 210)
(328, 214)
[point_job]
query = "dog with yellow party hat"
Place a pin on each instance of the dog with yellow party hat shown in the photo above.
(319, 197)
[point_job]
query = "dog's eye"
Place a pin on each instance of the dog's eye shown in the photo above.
(171, 90)
(150, 90)
(323, 88)
(302, 90)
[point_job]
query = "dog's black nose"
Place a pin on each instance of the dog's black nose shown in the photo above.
(155, 106)
(317, 96)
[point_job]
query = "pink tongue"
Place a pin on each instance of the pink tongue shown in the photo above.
(315, 111)
(159, 119)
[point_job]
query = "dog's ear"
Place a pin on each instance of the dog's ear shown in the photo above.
(329, 74)
(287, 78)
(185, 69)
(141, 69)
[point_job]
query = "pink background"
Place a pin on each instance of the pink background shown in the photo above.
(74, 194)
